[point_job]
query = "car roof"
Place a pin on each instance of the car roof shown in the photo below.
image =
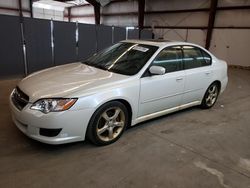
(159, 42)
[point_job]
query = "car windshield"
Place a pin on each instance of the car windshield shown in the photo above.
(122, 58)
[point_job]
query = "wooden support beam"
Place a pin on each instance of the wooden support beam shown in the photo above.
(69, 14)
(14, 9)
(31, 9)
(20, 8)
(234, 8)
(232, 27)
(176, 27)
(81, 16)
(141, 12)
(97, 10)
(177, 11)
(212, 14)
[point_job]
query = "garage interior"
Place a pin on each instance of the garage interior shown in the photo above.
(191, 148)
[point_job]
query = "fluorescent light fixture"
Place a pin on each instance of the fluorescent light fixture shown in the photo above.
(130, 27)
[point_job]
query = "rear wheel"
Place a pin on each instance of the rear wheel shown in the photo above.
(108, 123)
(211, 96)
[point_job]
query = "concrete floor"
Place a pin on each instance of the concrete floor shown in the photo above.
(192, 148)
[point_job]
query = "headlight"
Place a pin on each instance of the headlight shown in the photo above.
(53, 105)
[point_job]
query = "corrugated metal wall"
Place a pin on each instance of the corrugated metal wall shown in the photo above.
(10, 7)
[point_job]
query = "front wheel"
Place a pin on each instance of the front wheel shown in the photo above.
(211, 96)
(108, 123)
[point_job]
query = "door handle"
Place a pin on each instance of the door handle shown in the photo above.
(207, 73)
(179, 79)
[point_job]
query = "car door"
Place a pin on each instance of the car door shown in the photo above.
(198, 73)
(160, 92)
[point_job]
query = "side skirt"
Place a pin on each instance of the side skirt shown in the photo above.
(164, 112)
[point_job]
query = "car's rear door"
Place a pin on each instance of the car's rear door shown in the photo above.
(198, 73)
(160, 92)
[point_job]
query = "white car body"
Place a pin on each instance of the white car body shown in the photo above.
(148, 97)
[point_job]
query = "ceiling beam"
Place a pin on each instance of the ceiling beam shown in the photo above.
(212, 14)
(93, 2)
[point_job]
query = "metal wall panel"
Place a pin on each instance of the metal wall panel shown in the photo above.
(146, 34)
(64, 42)
(119, 34)
(87, 44)
(104, 36)
(11, 47)
(133, 34)
(38, 44)
(232, 45)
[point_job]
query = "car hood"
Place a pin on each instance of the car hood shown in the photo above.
(65, 80)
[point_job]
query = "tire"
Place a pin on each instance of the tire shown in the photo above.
(210, 96)
(108, 123)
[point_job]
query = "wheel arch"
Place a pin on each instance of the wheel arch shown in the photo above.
(89, 131)
(125, 102)
(218, 83)
(215, 81)
(203, 103)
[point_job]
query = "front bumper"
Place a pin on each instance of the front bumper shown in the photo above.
(71, 123)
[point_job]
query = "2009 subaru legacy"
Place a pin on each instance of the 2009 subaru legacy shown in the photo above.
(127, 83)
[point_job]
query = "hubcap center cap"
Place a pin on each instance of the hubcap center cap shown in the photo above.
(111, 123)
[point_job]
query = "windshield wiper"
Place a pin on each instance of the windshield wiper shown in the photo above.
(86, 62)
(102, 67)
(94, 65)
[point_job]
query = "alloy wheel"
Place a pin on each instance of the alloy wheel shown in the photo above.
(212, 95)
(110, 124)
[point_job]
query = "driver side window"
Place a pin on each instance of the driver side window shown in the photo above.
(170, 58)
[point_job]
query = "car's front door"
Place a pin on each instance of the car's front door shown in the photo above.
(160, 92)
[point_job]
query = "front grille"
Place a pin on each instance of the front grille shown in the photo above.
(19, 98)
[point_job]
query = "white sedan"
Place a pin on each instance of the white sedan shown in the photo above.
(125, 84)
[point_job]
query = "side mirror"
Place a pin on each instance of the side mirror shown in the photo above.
(157, 70)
